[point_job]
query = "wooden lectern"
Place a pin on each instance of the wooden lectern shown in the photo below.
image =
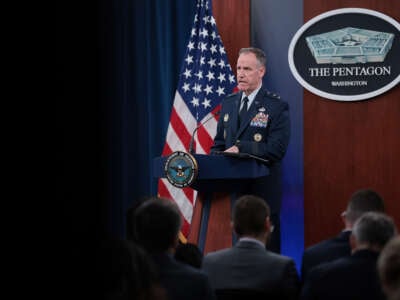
(218, 180)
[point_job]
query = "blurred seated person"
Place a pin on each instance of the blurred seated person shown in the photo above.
(389, 269)
(126, 272)
(353, 277)
(361, 201)
(248, 265)
(157, 224)
(190, 254)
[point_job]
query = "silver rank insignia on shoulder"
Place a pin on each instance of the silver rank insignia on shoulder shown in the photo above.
(226, 118)
(257, 137)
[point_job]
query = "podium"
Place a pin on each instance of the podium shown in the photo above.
(219, 179)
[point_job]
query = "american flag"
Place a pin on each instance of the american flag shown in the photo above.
(205, 79)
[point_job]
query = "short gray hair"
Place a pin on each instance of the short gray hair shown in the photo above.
(374, 229)
(260, 55)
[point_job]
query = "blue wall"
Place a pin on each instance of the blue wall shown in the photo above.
(273, 24)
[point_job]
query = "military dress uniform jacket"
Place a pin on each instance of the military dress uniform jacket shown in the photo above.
(265, 131)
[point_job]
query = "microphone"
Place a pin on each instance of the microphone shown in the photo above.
(213, 115)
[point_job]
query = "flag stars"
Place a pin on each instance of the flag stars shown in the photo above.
(199, 75)
(211, 62)
(191, 45)
(195, 101)
(186, 87)
(221, 64)
(221, 50)
(193, 33)
(206, 103)
(203, 46)
(196, 88)
(212, 21)
(208, 89)
(204, 33)
(187, 73)
(221, 77)
(214, 35)
(232, 78)
(202, 60)
(189, 59)
(213, 49)
(206, 19)
(220, 91)
(210, 76)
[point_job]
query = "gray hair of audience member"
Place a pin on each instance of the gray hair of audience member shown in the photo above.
(157, 224)
(363, 201)
(249, 215)
(389, 268)
(260, 54)
(374, 229)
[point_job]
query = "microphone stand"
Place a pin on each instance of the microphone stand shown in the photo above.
(195, 130)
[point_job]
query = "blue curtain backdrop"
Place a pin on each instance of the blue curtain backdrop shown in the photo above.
(142, 52)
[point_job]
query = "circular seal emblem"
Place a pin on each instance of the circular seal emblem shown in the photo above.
(181, 169)
(347, 54)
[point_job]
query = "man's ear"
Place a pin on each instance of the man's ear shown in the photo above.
(175, 242)
(268, 225)
(353, 242)
(232, 227)
(262, 71)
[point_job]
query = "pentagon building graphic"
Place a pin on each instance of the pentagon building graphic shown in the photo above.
(350, 45)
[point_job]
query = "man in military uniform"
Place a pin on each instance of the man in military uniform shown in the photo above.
(256, 122)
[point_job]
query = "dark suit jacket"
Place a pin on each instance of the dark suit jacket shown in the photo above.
(248, 265)
(182, 281)
(265, 131)
(349, 278)
(325, 251)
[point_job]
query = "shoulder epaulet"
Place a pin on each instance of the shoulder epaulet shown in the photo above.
(231, 95)
(272, 95)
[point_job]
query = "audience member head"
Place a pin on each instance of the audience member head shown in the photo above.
(189, 254)
(126, 272)
(372, 231)
(389, 269)
(251, 217)
(130, 219)
(157, 224)
(362, 201)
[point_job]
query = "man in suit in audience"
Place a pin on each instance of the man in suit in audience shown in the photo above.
(389, 269)
(360, 202)
(157, 223)
(248, 265)
(353, 277)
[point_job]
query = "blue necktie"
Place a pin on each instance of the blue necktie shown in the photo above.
(243, 111)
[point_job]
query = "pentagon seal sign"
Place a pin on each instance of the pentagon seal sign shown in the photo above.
(181, 169)
(347, 54)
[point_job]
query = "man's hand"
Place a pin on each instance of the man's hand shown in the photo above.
(233, 149)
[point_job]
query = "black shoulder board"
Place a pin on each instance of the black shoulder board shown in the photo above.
(272, 95)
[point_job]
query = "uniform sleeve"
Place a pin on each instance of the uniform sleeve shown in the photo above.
(219, 140)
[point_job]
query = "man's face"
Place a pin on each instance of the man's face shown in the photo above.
(249, 72)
